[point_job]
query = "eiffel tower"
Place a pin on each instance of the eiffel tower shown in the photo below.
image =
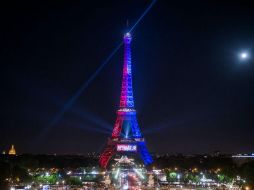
(126, 137)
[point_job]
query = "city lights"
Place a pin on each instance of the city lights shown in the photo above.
(126, 173)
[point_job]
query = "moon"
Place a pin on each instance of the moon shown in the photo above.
(244, 55)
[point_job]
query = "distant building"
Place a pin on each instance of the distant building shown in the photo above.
(12, 151)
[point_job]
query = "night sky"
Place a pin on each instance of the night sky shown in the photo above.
(192, 93)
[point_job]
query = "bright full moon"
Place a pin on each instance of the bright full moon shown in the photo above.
(244, 55)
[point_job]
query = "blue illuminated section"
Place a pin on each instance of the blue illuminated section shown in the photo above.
(145, 155)
(135, 128)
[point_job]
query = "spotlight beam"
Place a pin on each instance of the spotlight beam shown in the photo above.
(71, 101)
(142, 16)
(96, 120)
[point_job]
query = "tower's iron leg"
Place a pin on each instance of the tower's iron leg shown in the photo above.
(108, 152)
(145, 156)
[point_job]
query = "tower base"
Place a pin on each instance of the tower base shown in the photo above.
(125, 146)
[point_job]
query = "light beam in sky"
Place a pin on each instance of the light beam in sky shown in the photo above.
(71, 101)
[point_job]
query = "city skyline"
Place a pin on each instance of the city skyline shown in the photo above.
(192, 92)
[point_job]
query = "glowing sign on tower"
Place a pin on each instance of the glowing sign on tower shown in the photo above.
(126, 148)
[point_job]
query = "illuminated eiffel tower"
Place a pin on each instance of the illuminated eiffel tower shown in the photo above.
(126, 137)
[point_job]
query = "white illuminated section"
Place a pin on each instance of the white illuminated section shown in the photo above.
(126, 148)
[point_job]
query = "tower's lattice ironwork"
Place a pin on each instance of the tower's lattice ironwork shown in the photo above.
(126, 135)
